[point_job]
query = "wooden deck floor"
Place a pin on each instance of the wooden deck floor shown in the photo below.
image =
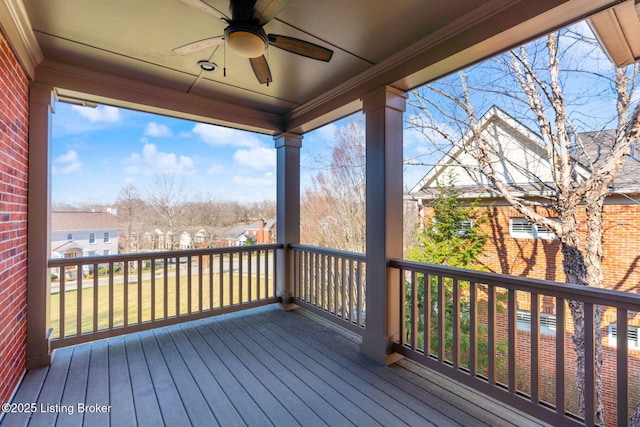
(257, 367)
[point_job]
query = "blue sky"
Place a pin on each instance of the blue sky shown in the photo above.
(98, 151)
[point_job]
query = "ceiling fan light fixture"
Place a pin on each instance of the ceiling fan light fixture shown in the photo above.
(246, 41)
(207, 65)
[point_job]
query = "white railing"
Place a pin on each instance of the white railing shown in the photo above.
(102, 296)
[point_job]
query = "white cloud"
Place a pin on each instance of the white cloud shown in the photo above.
(102, 113)
(216, 169)
(151, 162)
(67, 163)
(257, 158)
(157, 130)
(220, 136)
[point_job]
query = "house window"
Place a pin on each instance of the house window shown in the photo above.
(106, 237)
(106, 252)
(92, 238)
(632, 335)
(547, 322)
(69, 236)
(522, 228)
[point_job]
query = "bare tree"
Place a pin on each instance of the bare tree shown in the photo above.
(130, 204)
(167, 198)
(333, 208)
(558, 101)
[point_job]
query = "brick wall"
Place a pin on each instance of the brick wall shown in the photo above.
(14, 111)
(542, 258)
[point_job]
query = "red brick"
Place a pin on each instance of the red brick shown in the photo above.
(14, 113)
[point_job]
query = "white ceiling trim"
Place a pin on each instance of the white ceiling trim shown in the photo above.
(107, 89)
(17, 28)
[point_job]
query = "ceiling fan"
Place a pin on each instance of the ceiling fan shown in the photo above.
(245, 35)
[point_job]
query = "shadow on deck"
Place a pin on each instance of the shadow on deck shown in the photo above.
(257, 367)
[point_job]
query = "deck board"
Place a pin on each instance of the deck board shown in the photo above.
(257, 367)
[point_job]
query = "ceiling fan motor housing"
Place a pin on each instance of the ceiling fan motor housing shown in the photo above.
(247, 40)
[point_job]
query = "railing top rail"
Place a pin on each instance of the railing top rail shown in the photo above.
(586, 294)
(104, 259)
(331, 252)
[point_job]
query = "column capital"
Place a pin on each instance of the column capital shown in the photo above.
(41, 93)
(287, 139)
(385, 96)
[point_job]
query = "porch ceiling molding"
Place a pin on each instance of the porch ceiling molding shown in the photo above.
(103, 88)
(15, 24)
(439, 54)
(618, 30)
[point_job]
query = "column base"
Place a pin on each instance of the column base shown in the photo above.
(379, 349)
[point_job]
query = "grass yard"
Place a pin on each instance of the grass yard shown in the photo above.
(183, 302)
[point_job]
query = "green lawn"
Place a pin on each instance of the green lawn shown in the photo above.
(200, 301)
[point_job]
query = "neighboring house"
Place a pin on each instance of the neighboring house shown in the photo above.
(258, 233)
(195, 238)
(77, 234)
(517, 247)
(520, 248)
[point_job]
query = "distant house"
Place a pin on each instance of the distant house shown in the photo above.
(518, 247)
(260, 232)
(77, 234)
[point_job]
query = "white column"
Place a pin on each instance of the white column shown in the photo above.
(287, 210)
(383, 108)
(38, 232)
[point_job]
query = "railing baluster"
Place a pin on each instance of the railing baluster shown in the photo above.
(535, 347)
(111, 279)
(426, 303)
(473, 334)
(79, 301)
(240, 281)
(152, 266)
(320, 283)
(258, 276)
(166, 287)
(343, 278)
(335, 286)
(231, 278)
(492, 334)
(95, 298)
(359, 278)
(125, 295)
(177, 282)
(560, 345)
(200, 285)
(414, 311)
(351, 291)
(266, 275)
(455, 354)
(403, 304)
(275, 272)
(139, 291)
(189, 287)
(513, 342)
(221, 280)
(62, 294)
(441, 320)
(210, 281)
(589, 366)
(622, 365)
(250, 258)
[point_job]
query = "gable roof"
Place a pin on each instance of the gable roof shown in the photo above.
(70, 221)
(523, 140)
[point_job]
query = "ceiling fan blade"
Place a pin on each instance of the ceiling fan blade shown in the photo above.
(266, 10)
(199, 45)
(261, 69)
(300, 47)
(206, 8)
